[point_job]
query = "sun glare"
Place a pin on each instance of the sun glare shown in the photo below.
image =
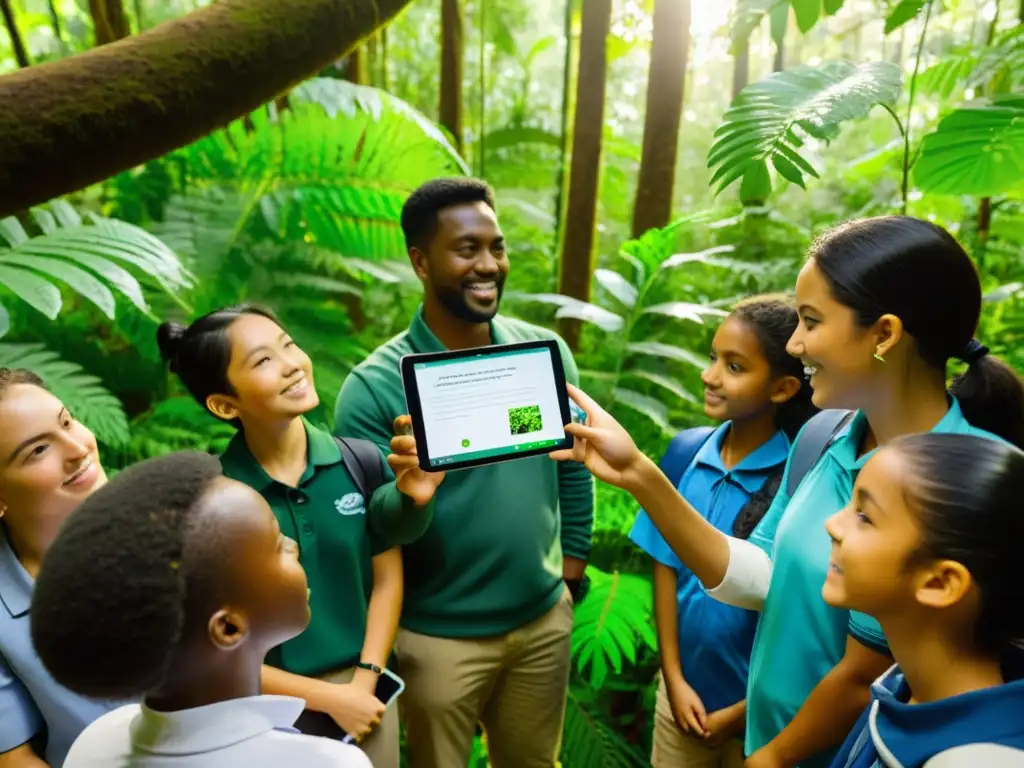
(707, 16)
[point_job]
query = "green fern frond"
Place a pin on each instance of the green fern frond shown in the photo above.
(587, 740)
(83, 394)
(177, 424)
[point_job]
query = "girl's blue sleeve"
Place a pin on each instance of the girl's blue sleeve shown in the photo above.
(646, 536)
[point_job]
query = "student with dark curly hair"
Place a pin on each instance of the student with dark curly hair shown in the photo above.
(171, 583)
(730, 474)
(49, 463)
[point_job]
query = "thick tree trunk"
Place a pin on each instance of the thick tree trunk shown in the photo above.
(20, 54)
(452, 50)
(666, 79)
(109, 21)
(69, 123)
(585, 168)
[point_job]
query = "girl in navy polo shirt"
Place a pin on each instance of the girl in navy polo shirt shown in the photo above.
(929, 545)
(731, 475)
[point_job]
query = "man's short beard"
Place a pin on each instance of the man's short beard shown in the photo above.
(455, 303)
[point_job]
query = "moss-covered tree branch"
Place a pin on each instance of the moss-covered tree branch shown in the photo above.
(70, 123)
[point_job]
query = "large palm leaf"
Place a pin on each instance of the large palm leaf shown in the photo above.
(95, 259)
(766, 119)
(336, 166)
(976, 150)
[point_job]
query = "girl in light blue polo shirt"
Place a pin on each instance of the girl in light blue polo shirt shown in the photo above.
(758, 392)
(885, 304)
(930, 546)
(49, 465)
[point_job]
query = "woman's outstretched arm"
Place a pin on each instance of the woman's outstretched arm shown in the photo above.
(732, 570)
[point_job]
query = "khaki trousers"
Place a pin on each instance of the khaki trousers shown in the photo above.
(675, 749)
(513, 684)
(381, 746)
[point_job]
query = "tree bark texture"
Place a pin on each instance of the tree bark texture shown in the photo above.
(741, 67)
(20, 53)
(585, 166)
(73, 122)
(355, 69)
(109, 21)
(666, 80)
(452, 51)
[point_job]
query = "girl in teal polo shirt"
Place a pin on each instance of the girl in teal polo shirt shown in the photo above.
(241, 365)
(884, 304)
(49, 464)
(730, 474)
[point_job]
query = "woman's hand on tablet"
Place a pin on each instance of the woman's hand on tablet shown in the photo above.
(604, 446)
(418, 485)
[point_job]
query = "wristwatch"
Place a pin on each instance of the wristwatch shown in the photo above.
(372, 667)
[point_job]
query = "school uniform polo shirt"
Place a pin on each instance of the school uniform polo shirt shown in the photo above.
(338, 532)
(251, 732)
(29, 697)
(799, 637)
(715, 639)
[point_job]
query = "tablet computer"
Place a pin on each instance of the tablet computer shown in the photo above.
(487, 404)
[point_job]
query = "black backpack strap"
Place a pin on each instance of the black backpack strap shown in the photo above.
(817, 435)
(364, 463)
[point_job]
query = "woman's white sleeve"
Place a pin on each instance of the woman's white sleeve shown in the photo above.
(747, 577)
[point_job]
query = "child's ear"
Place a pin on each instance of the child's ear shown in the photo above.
(943, 584)
(228, 629)
(222, 406)
(785, 388)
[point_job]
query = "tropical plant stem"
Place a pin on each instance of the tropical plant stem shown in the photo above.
(20, 54)
(910, 105)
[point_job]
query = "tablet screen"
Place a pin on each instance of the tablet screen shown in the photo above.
(491, 404)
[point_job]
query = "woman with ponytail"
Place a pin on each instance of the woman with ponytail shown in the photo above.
(884, 304)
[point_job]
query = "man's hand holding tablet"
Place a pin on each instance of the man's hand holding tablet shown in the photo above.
(410, 478)
(485, 405)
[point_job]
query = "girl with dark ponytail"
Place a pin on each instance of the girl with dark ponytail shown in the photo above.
(930, 547)
(758, 393)
(884, 305)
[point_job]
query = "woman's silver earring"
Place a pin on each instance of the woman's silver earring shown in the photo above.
(878, 357)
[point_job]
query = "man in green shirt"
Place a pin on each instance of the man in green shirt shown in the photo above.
(486, 624)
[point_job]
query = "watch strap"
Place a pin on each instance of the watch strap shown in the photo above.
(372, 667)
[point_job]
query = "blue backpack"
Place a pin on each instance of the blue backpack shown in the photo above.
(817, 435)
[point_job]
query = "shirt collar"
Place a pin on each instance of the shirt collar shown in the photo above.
(216, 726)
(749, 473)
(423, 339)
(239, 463)
(849, 438)
(15, 584)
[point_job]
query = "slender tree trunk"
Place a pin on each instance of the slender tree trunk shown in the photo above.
(779, 63)
(481, 141)
(741, 66)
(354, 67)
(452, 51)
(139, 15)
(72, 122)
(55, 22)
(110, 23)
(20, 53)
(585, 169)
(384, 58)
(563, 151)
(666, 81)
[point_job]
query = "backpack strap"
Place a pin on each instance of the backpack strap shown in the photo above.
(817, 435)
(682, 451)
(364, 463)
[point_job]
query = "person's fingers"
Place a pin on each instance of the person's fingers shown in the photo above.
(701, 715)
(399, 463)
(565, 455)
(403, 444)
(582, 431)
(584, 401)
(403, 425)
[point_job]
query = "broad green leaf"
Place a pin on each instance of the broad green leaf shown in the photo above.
(832, 7)
(683, 310)
(520, 134)
(653, 409)
(12, 231)
(666, 382)
(806, 12)
(81, 392)
(760, 125)
(38, 293)
(757, 184)
(976, 150)
(617, 286)
(77, 279)
(902, 13)
(779, 22)
(666, 351)
(1003, 292)
(5, 321)
(702, 257)
(593, 314)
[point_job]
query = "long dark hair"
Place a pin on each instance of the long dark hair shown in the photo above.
(773, 319)
(966, 491)
(201, 353)
(917, 271)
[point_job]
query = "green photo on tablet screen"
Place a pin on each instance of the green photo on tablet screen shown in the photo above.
(489, 404)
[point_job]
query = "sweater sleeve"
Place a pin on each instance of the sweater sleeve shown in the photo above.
(575, 487)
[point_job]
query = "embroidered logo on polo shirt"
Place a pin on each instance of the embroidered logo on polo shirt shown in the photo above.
(350, 504)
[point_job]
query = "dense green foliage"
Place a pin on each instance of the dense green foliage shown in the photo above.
(298, 208)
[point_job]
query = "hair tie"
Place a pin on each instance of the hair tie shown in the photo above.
(973, 352)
